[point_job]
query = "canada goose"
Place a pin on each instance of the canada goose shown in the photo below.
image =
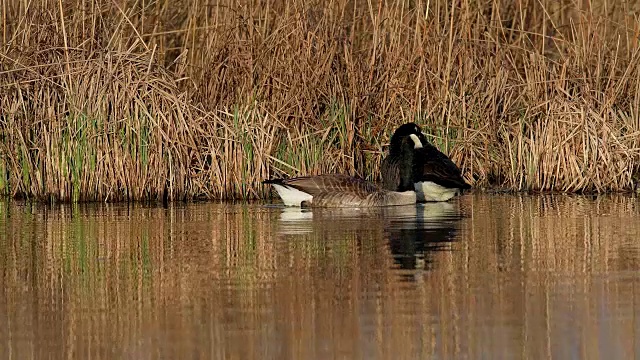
(336, 190)
(436, 177)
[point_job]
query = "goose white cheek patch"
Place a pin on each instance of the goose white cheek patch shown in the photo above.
(417, 144)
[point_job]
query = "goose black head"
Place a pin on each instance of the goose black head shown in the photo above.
(405, 130)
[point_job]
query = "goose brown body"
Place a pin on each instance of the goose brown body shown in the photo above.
(336, 190)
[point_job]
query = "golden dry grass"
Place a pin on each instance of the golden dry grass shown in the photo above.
(117, 100)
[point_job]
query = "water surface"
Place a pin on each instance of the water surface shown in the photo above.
(481, 277)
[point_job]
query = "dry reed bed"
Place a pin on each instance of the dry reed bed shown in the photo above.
(123, 100)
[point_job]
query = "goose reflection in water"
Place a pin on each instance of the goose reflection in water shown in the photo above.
(413, 232)
(432, 227)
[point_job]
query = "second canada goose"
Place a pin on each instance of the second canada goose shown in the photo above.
(336, 190)
(436, 177)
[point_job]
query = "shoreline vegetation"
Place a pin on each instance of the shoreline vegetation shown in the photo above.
(145, 101)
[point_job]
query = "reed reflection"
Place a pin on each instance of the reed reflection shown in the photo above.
(527, 277)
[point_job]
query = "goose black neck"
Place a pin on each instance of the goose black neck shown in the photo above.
(405, 155)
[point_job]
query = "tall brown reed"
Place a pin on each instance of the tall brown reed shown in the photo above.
(123, 100)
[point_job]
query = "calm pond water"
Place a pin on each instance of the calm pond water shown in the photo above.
(481, 277)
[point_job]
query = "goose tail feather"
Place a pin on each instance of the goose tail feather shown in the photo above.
(290, 195)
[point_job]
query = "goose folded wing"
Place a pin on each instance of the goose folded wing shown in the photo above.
(443, 172)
